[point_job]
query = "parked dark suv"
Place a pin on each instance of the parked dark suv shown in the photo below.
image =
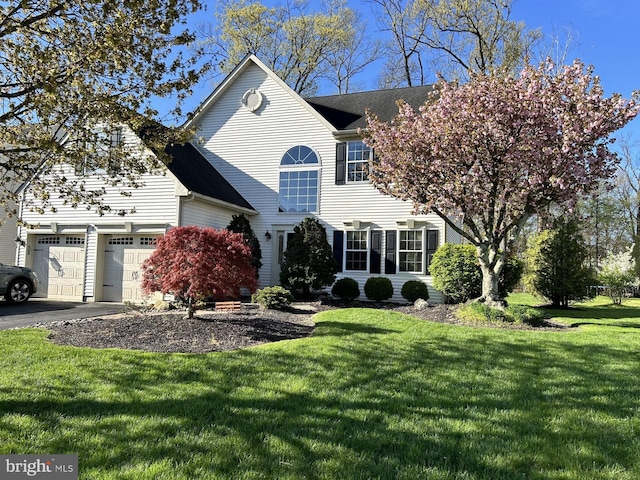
(17, 284)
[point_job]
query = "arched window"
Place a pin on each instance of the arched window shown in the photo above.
(299, 180)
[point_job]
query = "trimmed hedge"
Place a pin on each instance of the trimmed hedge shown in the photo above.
(346, 289)
(378, 289)
(412, 290)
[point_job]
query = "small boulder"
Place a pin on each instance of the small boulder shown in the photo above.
(421, 304)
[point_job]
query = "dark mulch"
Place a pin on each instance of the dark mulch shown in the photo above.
(172, 332)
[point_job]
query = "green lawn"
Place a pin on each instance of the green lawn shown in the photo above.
(372, 395)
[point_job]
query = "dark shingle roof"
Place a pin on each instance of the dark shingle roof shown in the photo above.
(347, 111)
(196, 173)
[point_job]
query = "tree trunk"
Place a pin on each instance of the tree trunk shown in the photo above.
(190, 308)
(491, 264)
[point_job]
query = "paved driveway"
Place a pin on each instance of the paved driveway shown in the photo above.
(42, 310)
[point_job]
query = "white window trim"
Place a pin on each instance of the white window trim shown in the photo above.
(367, 250)
(317, 167)
(423, 250)
(351, 162)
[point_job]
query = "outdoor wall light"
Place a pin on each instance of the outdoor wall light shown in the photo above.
(267, 235)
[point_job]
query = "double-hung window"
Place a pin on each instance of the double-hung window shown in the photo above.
(358, 156)
(299, 181)
(97, 147)
(411, 251)
(356, 250)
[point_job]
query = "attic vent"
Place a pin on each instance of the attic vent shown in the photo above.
(252, 99)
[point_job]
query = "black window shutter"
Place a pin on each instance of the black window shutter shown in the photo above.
(375, 254)
(341, 163)
(432, 245)
(338, 247)
(390, 252)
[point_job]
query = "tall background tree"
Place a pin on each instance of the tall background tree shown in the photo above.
(406, 22)
(450, 38)
(627, 192)
(66, 66)
(300, 46)
(496, 150)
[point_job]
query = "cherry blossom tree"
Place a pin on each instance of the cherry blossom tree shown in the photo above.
(487, 155)
(193, 263)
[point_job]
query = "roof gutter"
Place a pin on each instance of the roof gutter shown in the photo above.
(232, 206)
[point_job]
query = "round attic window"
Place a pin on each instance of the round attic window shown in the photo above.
(252, 100)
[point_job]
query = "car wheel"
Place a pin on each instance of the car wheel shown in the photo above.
(19, 291)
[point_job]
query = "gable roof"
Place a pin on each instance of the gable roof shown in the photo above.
(339, 113)
(195, 172)
(250, 60)
(347, 111)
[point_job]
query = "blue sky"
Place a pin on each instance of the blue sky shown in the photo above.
(606, 34)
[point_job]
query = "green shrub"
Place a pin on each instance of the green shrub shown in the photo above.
(274, 298)
(240, 224)
(412, 290)
(524, 314)
(511, 275)
(456, 272)
(558, 263)
(346, 289)
(378, 289)
(477, 312)
(308, 263)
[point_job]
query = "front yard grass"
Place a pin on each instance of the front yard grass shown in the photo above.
(373, 394)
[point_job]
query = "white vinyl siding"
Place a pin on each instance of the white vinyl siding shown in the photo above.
(204, 214)
(247, 147)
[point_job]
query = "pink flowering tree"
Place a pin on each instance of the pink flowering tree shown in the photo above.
(193, 263)
(487, 155)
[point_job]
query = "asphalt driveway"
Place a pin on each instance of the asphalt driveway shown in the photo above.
(42, 310)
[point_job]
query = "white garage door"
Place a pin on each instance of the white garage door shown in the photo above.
(59, 263)
(123, 257)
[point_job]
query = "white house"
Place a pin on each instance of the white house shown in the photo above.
(264, 151)
(8, 235)
(82, 256)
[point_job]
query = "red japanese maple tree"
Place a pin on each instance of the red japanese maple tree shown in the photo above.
(193, 263)
(487, 155)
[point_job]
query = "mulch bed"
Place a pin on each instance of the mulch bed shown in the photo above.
(172, 332)
(208, 331)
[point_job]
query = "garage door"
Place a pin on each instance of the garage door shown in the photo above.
(123, 257)
(59, 263)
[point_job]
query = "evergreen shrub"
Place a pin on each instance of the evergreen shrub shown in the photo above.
(412, 290)
(378, 289)
(346, 289)
(273, 298)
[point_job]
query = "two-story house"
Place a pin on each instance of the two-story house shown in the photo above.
(264, 151)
